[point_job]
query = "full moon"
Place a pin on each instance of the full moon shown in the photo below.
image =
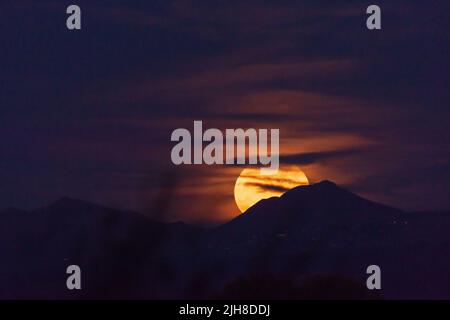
(252, 187)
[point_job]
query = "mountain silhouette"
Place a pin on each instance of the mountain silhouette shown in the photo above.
(323, 205)
(311, 238)
(325, 229)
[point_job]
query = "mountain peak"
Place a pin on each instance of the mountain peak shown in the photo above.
(67, 203)
(326, 184)
(325, 187)
(69, 200)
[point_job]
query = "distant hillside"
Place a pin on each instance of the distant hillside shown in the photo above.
(314, 241)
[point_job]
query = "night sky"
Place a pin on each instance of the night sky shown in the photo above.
(89, 114)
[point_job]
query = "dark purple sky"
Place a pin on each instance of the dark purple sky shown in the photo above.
(88, 114)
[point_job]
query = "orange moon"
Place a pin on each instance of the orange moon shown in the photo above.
(252, 187)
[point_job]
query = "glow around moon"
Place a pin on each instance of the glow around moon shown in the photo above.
(252, 187)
